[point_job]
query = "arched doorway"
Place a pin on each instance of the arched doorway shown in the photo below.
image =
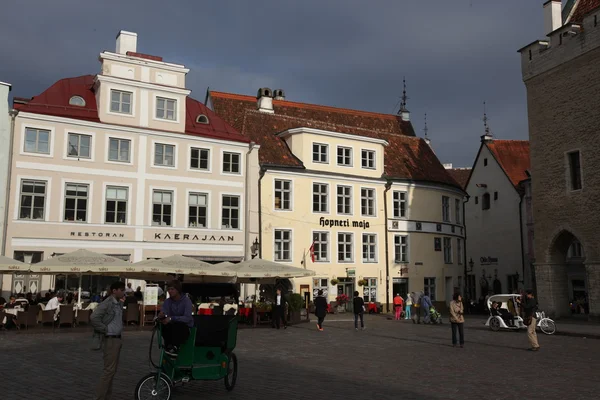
(570, 287)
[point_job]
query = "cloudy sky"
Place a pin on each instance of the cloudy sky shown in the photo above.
(345, 53)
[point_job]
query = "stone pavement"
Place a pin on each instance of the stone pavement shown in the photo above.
(389, 360)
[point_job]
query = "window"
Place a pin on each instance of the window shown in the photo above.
(437, 244)
(283, 240)
(368, 159)
(476, 199)
(76, 202)
(345, 247)
(33, 199)
(457, 211)
(344, 156)
(230, 218)
(118, 150)
(575, 170)
(513, 283)
(166, 108)
(401, 248)
(200, 159)
(344, 199)
(448, 250)
(485, 162)
(459, 251)
(321, 240)
(231, 163)
(370, 290)
(77, 101)
(575, 250)
(320, 153)
(485, 201)
(399, 204)
(320, 194)
(495, 195)
(120, 102)
(37, 141)
(429, 287)
(164, 155)
(202, 119)
(79, 145)
(369, 247)
(367, 202)
(446, 208)
(283, 194)
(162, 208)
(320, 284)
(197, 210)
(116, 205)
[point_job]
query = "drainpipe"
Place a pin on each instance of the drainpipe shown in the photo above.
(13, 115)
(388, 185)
(247, 200)
(522, 244)
(261, 175)
(467, 197)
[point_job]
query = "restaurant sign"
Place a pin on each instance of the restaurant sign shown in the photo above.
(329, 223)
(488, 260)
(196, 238)
(99, 234)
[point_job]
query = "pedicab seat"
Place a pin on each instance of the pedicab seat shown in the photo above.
(216, 331)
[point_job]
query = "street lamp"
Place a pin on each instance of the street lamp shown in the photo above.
(254, 247)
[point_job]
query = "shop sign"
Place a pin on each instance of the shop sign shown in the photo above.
(346, 223)
(196, 238)
(99, 234)
(488, 260)
(351, 272)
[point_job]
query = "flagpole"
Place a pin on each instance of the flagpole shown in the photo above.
(304, 258)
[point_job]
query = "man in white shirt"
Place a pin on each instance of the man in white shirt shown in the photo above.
(129, 289)
(279, 310)
(54, 303)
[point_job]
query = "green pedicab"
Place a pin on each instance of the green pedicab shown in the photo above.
(206, 355)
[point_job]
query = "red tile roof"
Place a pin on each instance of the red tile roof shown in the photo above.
(406, 156)
(582, 8)
(55, 101)
(513, 157)
(460, 175)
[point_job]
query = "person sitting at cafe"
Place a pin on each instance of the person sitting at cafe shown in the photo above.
(176, 318)
(12, 302)
(54, 303)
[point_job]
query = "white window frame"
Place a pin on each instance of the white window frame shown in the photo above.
(200, 149)
(327, 242)
(190, 193)
(320, 194)
(109, 109)
(88, 203)
(173, 207)
(397, 204)
(372, 283)
(68, 133)
(222, 164)
(345, 243)
(20, 195)
(428, 284)
(130, 205)
(344, 156)
(290, 193)
(132, 144)
(106, 200)
(367, 260)
(51, 138)
(447, 249)
(162, 143)
(401, 249)
(446, 208)
(321, 146)
(368, 152)
(175, 111)
(374, 201)
(240, 211)
(17, 198)
(344, 197)
(289, 241)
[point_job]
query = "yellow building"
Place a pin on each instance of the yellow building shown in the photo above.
(369, 198)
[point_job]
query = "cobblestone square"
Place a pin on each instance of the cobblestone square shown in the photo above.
(389, 360)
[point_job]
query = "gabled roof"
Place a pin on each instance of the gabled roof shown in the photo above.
(581, 8)
(513, 157)
(55, 101)
(406, 156)
(460, 175)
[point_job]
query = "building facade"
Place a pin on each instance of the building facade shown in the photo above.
(126, 163)
(352, 195)
(563, 93)
(496, 216)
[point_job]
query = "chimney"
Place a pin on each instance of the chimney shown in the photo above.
(552, 15)
(126, 41)
(448, 165)
(264, 99)
(279, 94)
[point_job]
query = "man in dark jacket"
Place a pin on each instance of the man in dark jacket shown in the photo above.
(278, 310)
(530, 308)
(320, 309)
(359, 311)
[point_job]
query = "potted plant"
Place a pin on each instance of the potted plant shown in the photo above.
(362, 282)
(334, 282)
(296, 304)
(341, 301)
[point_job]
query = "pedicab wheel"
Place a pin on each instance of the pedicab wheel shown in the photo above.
(147, 388)
(548, 326)
(495, 324)
(231, 376)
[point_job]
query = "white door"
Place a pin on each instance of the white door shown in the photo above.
(449, 290)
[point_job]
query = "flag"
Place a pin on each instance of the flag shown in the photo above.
(312, 251)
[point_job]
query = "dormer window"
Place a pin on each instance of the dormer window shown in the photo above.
(77, 101)
(202, 119)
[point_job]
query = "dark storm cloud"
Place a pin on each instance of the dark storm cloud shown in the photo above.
(454, 54)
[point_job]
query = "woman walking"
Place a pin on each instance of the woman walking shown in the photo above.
(320, 309)
(457, 319)
(398, 306)
(359, 311)
(408, 305)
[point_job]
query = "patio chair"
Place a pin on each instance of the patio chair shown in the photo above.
(83, 316)
(132, 314)
(66, 315)
(48, 318)
(28, 317)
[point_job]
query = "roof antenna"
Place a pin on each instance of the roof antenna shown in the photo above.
(404, 113)
(487, 136)
(426, 130)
